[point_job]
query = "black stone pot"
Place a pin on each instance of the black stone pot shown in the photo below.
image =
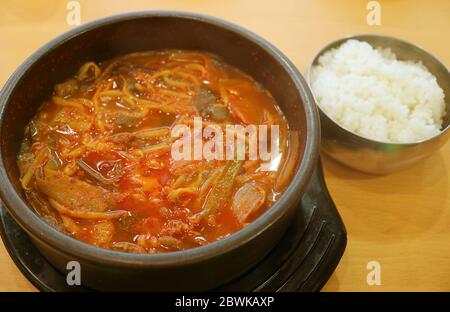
(197, 269)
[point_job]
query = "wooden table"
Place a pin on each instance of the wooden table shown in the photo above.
(401, 220)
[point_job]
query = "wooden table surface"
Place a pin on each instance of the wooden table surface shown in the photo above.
(400, 220)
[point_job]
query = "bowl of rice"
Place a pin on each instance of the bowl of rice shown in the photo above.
(383, 102)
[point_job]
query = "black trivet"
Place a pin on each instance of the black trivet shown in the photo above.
(303, 260)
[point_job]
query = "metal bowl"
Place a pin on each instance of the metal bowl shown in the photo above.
(373, 156)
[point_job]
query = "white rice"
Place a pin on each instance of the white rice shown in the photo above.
(369, 92)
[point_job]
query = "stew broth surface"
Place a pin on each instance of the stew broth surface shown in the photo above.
(96, 159)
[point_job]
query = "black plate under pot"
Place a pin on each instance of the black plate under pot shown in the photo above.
(303, 260)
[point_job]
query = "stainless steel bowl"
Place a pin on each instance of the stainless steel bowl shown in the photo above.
(374, 156)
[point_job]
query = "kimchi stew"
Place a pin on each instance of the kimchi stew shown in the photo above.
(96, 160)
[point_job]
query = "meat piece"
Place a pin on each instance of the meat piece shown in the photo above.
(74, 193)
(247, 201)
(170, 242)
(176, 228)
(128, 247)
(203, 99)
(209, 107)
(147, 241)
(67, 88)
(126, 121)
(140, 138)
(218, 112)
